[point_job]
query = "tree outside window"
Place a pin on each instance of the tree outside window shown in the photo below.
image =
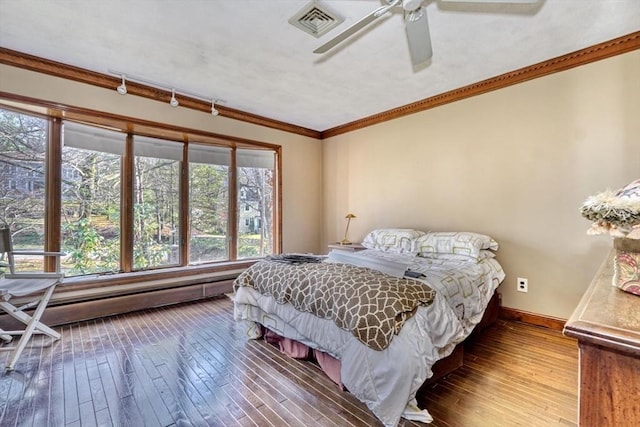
(91, 168)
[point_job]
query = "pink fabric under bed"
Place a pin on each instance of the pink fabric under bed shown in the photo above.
(292, 348)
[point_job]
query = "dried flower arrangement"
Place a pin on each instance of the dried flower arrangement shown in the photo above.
(615, 213)
(618, 214)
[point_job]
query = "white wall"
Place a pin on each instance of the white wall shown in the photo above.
(301, 156)
(515, 164)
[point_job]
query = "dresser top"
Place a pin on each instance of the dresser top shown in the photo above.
(606, 315)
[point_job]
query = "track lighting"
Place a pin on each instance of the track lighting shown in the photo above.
(174, 102)
(122, 89)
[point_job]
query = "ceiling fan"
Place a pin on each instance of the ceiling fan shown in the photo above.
(416, 25)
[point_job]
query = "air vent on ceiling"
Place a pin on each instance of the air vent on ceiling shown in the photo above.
(315, 19)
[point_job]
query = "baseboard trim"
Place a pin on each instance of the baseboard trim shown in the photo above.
(516, 315)
(85, 310)
(104, 307)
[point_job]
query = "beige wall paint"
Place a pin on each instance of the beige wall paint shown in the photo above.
(301, 156)
(515, 164)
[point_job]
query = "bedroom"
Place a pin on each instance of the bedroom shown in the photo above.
(539, 149)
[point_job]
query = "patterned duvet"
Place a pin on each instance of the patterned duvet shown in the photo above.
(386, 381)
(371, 305)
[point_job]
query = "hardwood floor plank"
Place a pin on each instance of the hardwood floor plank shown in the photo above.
(129, 414)
(26, 407)
(82, 380)
(191, 364)
(219, 352)
(103, 418)
(116, 358)
(333, 407)
(87, 414)
(264, 351)
(135, 376)
(521, 374)
(343, 407)
(110, 390)
(71, 403)
(207, 399)
(55, 416)
(190, 402)
(286, 386)
(43, 398)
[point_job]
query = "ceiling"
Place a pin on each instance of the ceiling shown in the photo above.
(245, 53)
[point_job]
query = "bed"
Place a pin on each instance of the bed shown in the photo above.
(385, 330)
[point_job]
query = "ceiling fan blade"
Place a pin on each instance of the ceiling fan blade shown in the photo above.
(417, 28)
(490, 1)
(353, 29)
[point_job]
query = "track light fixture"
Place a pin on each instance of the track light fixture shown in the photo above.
(122, 89)
(174, 102)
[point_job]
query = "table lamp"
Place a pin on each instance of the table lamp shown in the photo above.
(345, 241)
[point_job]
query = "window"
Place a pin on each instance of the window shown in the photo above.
(255, 180)
(208, 202)
(126, 202)
(156, 181)
(23, 143)
(90, 208)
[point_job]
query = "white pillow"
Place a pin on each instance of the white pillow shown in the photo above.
(457, 244)
(393, 240)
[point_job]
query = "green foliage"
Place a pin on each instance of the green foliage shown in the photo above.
(208, 198)
(147, 250)
(22, 149)
(87, 250)
(91, 187)
(246, 251)
(208, 248)
(249, 246)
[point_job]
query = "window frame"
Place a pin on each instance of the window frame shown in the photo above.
(56, 113)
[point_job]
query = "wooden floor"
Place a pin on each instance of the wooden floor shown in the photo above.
(190, 365)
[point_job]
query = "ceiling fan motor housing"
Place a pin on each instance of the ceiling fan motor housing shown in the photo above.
(411, 5)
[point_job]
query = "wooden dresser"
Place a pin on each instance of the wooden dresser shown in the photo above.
(606, 324)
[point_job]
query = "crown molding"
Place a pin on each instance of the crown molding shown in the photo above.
(82, 75)
(584, 56)
(617, 46)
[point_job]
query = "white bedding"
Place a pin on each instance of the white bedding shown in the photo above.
(467, 286)
(386, 381)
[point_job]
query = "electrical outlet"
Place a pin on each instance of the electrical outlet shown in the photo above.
(523, 284)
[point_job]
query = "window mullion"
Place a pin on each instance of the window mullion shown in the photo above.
(184, 220)
(126, 208)
(277, 204)
(233, 207)
(53, 194)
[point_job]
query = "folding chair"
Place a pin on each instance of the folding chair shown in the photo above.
(29, 286)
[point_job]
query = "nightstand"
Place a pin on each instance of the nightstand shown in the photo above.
(354, 247)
